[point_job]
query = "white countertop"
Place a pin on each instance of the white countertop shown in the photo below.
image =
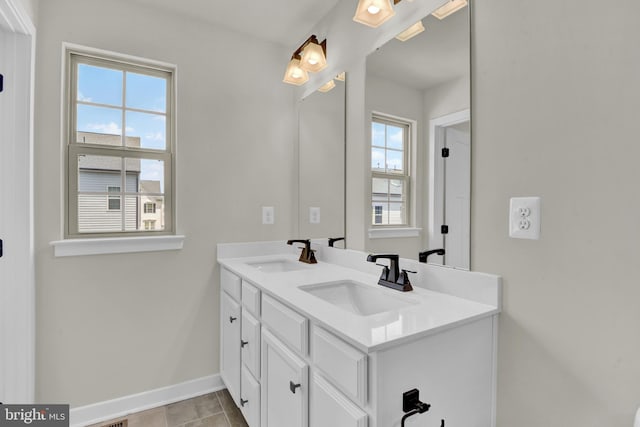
(432, 312)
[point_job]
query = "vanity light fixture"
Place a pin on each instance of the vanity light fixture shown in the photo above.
(295, 75)
(448, 8)
(327, 86)
(412, 31)
(314, 55)
(309, 56)
(341, 76)
(374, 12)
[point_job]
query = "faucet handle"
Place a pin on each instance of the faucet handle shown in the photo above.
(403, 280)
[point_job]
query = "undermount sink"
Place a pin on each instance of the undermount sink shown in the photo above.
(356, 298)
(277, 266)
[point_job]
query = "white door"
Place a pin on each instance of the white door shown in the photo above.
(17, 293)
(457, 195)
(230, 360)
(329, 407)
(285, 385)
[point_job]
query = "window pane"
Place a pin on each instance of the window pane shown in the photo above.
(377, 134)
(99, 174)
(380, 189)
(378, 159)
(148, 176)
(146, 130)
(396, 214)
(396, 190)
(146, 92)
(395, 161)
(99, 85)
(99, 125)
(98, 213)
(139, 216)
(395, 137)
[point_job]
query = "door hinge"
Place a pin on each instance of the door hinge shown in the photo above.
(445, 152)
(444, 229)
(1, 251)
(1, 82)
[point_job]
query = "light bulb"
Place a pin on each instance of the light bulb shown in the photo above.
(373, 9)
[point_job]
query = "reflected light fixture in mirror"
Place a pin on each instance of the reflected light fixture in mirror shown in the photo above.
(448, 8)
(374, 12)
(327, 86)
(341, 76)
(313, 55)
(412, 31)
(295, 75)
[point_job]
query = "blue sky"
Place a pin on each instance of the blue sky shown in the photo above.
(103, 87)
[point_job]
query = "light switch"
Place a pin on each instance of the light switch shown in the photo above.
(524, 218)
(314, 215)
(268, 215)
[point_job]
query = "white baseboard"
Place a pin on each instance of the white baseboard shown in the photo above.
(109, 409)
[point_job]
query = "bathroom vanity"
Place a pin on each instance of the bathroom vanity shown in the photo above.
(323, 345)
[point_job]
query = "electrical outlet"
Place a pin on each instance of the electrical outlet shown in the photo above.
(314, 215)
(268, 215)
(524, 218)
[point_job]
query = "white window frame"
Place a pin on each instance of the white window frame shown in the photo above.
(405, 177)
(75, 55)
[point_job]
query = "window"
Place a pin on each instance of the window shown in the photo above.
(149, 207)
(119, 146)
(389, 171)
(114, 201)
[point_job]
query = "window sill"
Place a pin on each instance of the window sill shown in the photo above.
(116, 245)
(391, 233)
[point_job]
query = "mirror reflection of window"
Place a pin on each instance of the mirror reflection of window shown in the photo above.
(389, 170)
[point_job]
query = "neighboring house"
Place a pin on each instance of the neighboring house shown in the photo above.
(387, 203)
(152, 217)
(100, 193)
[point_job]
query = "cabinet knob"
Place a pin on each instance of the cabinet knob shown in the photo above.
(293, 387)
(231, 319)
(243, 402)
(243, 343)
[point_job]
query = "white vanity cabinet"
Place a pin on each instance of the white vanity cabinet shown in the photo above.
(286, 367)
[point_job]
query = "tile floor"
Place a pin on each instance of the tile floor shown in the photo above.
(211, 410)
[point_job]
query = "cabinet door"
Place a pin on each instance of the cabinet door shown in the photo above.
(329, 407)
(230, 345)
(250, 398)
(285, 381)
(250, 343)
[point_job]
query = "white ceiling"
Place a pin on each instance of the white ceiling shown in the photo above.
(285, 22)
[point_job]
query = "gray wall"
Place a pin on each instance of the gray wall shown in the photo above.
(114, 325)
(555, 114)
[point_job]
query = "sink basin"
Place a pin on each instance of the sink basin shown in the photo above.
(357, 298)
(277, 266)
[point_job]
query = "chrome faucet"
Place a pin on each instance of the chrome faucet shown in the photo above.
(307, 255)
(392, 277)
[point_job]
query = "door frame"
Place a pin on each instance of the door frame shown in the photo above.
(435, 210)
(17, 296)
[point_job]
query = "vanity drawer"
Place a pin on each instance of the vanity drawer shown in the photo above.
(345, 366)
(230, 283)
(251, 298)
(330, 408)
(286, 323)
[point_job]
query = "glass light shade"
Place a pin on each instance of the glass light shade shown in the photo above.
(412, 31)
(341, 76)
(327, 86)
(295, 75)
(313, 58)
(373, 12)
(448, 8)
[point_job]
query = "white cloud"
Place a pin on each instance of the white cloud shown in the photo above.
(81, 97)
(157, 136)
(110, 128)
